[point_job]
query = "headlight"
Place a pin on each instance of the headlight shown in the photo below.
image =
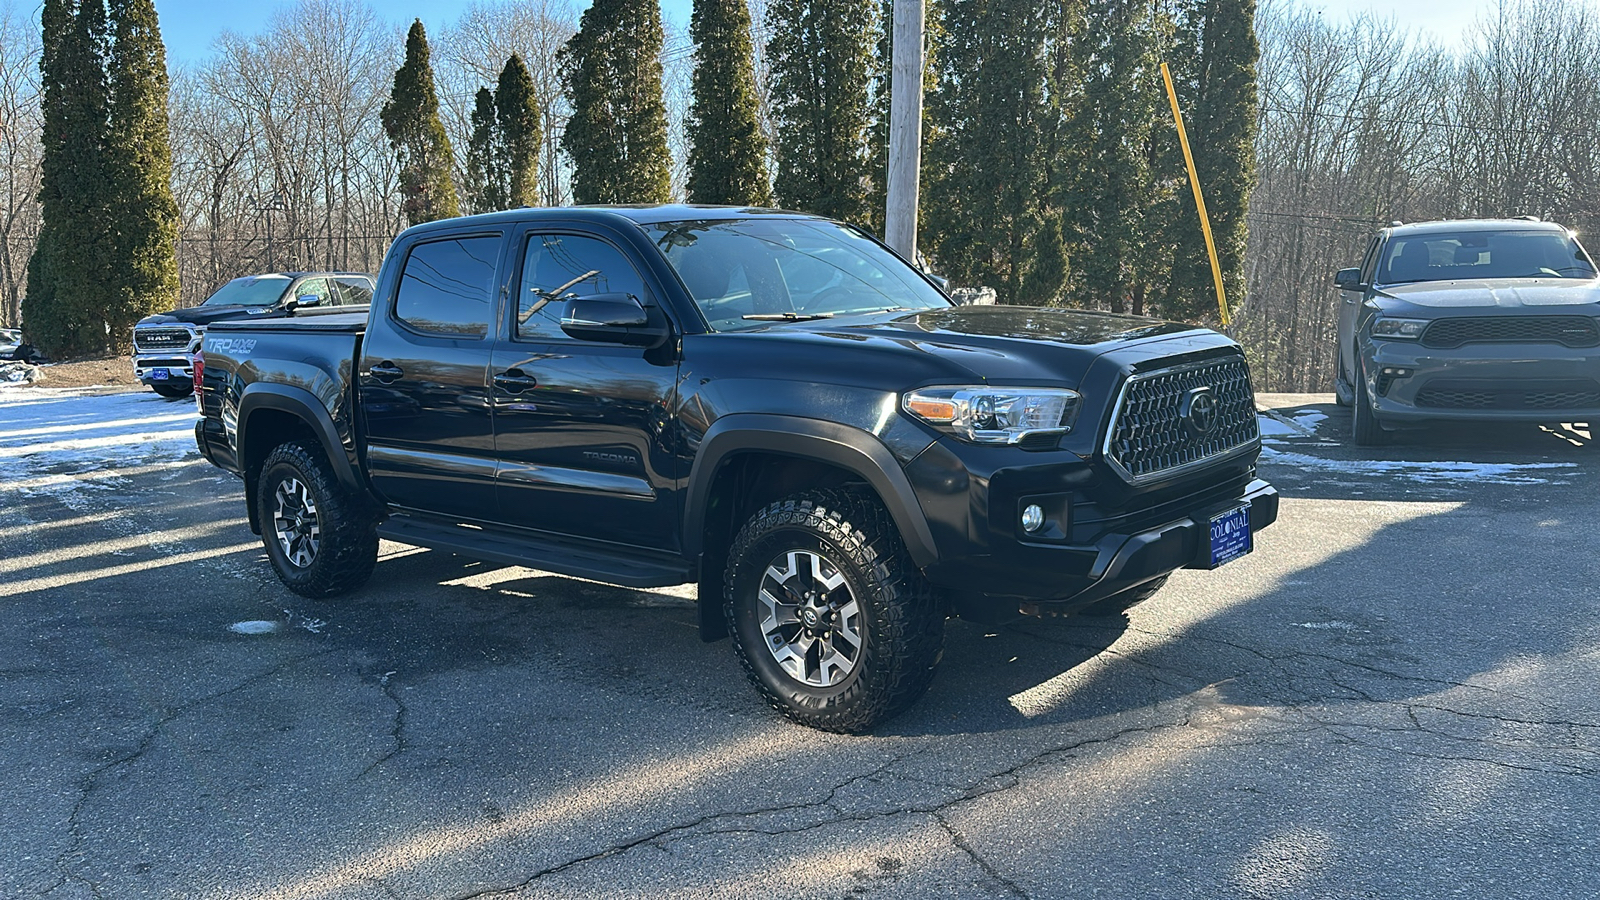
(1407, 329)
(995, 415)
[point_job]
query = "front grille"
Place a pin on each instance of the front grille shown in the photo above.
(1152, 434)
(161, 338)
(1582, 395)
(1570, 331)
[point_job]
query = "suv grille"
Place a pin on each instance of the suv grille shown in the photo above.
(1156, 432)
(1571, 331)
(1558, 395)
(161, 338)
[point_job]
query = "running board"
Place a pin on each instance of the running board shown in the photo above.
(543, 552)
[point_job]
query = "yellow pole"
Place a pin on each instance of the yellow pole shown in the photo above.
(1199, 201)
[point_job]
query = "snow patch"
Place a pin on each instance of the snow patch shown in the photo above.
(256, 626)
(1427, 472)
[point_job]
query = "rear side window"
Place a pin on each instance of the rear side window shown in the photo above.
(352, 291)
(447, 287)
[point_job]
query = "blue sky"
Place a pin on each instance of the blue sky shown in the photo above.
(190, 26)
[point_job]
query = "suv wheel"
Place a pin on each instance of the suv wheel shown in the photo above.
(173, 391)
(320, 538)
(1363, 424)
(832, 621)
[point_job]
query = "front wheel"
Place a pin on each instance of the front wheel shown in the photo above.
(320, 537)
(1364, 425)
(173, 391)
(832, 621)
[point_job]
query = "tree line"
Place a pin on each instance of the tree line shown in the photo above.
(1051, 167)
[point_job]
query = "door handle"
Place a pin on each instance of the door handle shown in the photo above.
(514, 381)
(386, 371)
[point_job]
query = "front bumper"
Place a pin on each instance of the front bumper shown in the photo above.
(179, 368)
(1476, 382)
(1063, 577)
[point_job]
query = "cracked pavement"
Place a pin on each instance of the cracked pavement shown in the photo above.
(1391, 697)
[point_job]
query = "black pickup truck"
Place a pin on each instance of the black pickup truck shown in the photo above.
(772, 405)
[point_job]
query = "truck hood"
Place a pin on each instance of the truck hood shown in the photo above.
(205, 315)
(1501, 293)
(1002, 344)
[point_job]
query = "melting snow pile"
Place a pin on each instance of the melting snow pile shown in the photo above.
(63, 439)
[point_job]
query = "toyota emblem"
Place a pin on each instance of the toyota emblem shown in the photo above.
(1200, 411)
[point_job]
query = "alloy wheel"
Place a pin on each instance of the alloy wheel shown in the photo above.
(810, 619)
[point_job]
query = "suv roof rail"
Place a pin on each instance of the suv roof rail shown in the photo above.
(1527, 218)
(1395, 223)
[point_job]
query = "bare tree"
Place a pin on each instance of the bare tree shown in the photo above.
(471, 54)
(19, 153)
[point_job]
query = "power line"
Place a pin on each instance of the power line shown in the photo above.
(1425, 123)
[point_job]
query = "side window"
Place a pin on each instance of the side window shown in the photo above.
(314, 287)
(553, 263)
(447, 287)
(349, 291)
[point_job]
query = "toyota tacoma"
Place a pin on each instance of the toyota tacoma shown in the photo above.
(771, 405)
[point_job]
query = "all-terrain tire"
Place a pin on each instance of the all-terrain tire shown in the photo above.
(844, 538)
(173, 391)
(321, 538)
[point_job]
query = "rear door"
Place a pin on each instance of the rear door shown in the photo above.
(580, 426)
(423, 377)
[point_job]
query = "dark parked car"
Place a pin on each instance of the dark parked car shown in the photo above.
(164, 345)
(1482, 319)
(773, 406)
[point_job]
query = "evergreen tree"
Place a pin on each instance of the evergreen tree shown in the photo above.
(988, 171)
(484, 181)
(66, 284)
(1214, 71)
(144, 274)
(821, 55)
(518, 136)
(617, 135)
(1111, 194)
(411, 119)
(727, 153)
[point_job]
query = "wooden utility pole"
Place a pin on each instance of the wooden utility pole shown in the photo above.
(905, 129)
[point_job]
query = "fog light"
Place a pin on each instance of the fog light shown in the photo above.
(1032, 518)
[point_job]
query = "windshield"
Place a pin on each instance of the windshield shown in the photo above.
(1463, 255)
(252, 290)
(744, 273)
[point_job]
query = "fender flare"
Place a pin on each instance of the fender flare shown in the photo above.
(305, 406)
(848, 448)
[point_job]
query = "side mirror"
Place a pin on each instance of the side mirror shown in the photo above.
(308, 300)
(940, 280)
(1347, 280)
(611, 319)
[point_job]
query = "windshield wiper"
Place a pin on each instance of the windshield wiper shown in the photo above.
(787, 316)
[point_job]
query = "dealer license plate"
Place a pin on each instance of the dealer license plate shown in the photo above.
(1230, 535)
(160, 374)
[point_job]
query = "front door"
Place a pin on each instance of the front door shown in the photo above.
(424, 379)
(580, 425)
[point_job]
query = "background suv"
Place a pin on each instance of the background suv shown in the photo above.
(1483, 319)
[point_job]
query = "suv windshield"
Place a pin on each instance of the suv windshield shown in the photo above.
(1455, 256)
(252, 290)
(744, 273)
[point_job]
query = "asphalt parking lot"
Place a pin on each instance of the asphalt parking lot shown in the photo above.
(1392, 697)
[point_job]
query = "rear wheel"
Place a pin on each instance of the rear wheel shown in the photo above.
(832, 621)
(1364, 425)
(320, 537)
